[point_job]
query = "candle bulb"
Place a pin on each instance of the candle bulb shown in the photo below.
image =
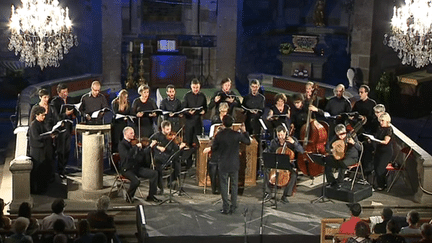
(130, 46)
(142, 48)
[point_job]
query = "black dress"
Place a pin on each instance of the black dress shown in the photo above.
(145, 121)
(383, 155)
(277, 121)
(118, 124)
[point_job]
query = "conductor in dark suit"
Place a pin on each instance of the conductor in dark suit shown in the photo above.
(226, 147)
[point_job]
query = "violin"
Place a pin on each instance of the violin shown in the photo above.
(143, 141)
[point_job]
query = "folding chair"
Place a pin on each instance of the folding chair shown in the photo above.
(358, 166)
(120, 180)
(390, 168)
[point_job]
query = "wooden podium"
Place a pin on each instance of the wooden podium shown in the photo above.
(248, 163)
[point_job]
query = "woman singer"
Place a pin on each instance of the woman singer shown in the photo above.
(121, 108)
(143, 107)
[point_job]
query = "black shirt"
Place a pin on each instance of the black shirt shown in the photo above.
(191, 100)
(91, 104)
(365, 108)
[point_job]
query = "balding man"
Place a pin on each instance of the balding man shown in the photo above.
(91, 102)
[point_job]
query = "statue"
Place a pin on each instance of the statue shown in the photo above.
(319, 13)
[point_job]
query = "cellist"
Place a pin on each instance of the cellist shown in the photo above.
(350, 155)
(283, 139)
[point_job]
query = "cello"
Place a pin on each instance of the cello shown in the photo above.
(283, 176)
(314, 136)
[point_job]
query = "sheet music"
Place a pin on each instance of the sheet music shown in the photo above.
(371, 137)
(96, 113)
(56, 127)
(119, 116)
(152, 111)
(73, 106)
(250, 110)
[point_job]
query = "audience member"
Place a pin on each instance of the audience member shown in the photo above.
(58, 208)
(84, 235)
(386, 215)
(362, 232)
(426, 232)
(99, 238)
(349, 226)
(60, 238)
(393, 228)
(99, 219)
(19, 228)
(25, 211)
(412, 219)
(5, 222)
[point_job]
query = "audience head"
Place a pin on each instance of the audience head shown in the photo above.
(355, 209)
(227, 121)
(99, 237)
(413, 217)
(103, 203)
(58, 205)
(60, 238)
(387, 214)
(24, 210)
(20, 225)
(59, 226)
(426, 231)
(83, 227)
(362, 229)
(393, 226)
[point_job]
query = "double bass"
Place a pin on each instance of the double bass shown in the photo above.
(314, 136)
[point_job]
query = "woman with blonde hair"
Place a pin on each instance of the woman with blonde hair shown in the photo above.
(139, 107)
(121, 108)
(383, 151)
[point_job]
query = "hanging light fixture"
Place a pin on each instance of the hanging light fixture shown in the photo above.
(411, 32)
(41, 32)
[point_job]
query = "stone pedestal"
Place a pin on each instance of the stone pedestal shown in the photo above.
(315, 62)
(92, 161)
(20, 168)
(21, 141)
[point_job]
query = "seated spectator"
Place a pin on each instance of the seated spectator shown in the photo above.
(19, 228)
(99, 219)
(386, 215)
(348, 227)
(426, 232)
(84, 235)
(25, 211)
(362, 232)
(58, 208)
(412, 218)
(5, 222)
(60, 238)
(392, 236)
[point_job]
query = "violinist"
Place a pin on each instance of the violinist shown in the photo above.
(299, 114)
(283, 140)
(224, 95)
(342, 144)
(172, 104)
(132, 165)
(279, 114)
(139, 106)
(166, 147)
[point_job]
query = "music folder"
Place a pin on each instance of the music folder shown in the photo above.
(283, 161)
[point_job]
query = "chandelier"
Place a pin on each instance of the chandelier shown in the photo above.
(411, 32)
(41, 32)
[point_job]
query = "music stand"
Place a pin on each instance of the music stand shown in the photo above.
(323, 198)
(169, 162)
(276, 161)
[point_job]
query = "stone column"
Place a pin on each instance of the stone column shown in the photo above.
(111, 43)
(226, 40)
(92, 161)
(20, 168)
(21, 141)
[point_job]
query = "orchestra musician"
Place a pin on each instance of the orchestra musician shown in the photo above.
(63, 141)
(140, 106)
(383, 151)
(165, 148)
(256, 103)
(225, 149)
(193, 125)
(299, 114)
(283, 139)
(212, 165)
(173, 104)
(133, 165)
(309, 89)
(120, 105)
(91, 102)
(343, 151)
(48, 121)
(224, 95)
(279, 114)
(40, 152)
